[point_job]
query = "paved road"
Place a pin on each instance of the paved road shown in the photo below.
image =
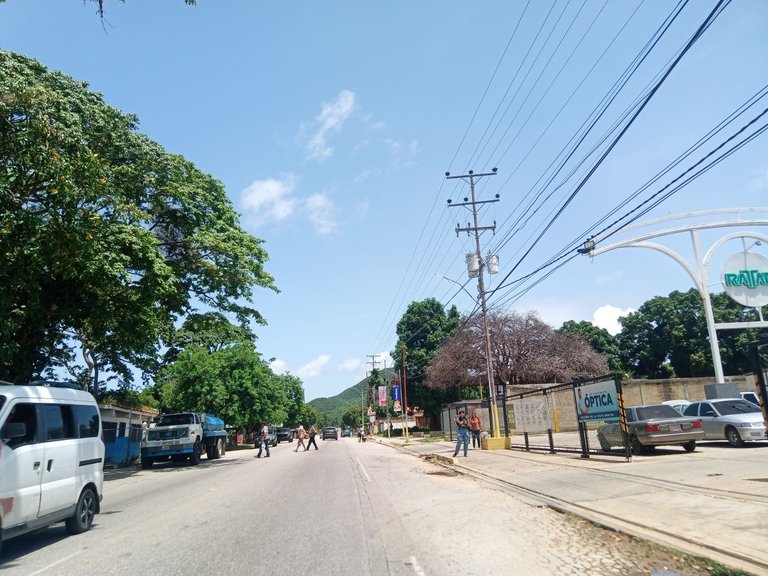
(711, 503)
(349, 508)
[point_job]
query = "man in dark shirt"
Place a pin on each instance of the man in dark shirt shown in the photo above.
(462, 433)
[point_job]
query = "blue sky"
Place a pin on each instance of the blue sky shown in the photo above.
(331, 124)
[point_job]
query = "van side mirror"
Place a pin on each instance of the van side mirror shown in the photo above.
(13, 430)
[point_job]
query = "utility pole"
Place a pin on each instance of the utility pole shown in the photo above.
(405, 395)
(492, 409)
(371, 392)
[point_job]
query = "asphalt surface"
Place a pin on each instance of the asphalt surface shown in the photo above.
(712, 503)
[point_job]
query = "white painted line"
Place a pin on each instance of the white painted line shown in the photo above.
(363, 471)
(59, 561)
(416, 568)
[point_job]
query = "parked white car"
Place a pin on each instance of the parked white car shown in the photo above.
(731, 419)
(679, 405)
(51, 458)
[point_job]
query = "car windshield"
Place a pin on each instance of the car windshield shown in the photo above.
(727, 407)
(2, 401)
(658, 411)
(175, 419)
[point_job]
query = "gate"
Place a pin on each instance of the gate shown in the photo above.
(585, 416)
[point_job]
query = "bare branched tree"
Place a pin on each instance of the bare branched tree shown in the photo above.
(524, 350)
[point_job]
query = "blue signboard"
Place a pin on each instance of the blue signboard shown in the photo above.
(597, 401)
(396, 406)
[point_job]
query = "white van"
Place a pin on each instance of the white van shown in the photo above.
(51, 458)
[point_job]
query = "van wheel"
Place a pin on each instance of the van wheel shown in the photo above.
(146, 463)
(85, 510)
(732, 435)
(194, 458)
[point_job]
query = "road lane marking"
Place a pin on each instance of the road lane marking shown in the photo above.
(363, 471)
(59, 561)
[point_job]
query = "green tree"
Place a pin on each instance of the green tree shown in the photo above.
(667, 337)
(602, 341)
(105, 238)
(422, 330)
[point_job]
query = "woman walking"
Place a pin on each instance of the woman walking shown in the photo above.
(312, 434)
(300, 435)
(475, 428)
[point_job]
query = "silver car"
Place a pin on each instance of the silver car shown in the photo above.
(650, 426)
(732, 419)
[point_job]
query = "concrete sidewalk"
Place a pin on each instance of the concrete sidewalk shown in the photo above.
(712, 503)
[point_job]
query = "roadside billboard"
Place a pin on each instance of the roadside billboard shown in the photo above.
(532, 415)
(597, 401)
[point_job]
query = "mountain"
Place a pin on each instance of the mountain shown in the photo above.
(331, 409)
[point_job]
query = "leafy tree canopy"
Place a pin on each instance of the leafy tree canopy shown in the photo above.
(422, 330)
(667, 337)
(105, 238)
(601, 341)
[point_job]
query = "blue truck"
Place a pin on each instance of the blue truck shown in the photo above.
(184, 435)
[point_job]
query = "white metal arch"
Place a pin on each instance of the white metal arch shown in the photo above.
(699, 269)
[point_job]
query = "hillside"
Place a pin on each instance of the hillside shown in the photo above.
(333, 407)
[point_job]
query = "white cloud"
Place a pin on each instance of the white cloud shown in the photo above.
(313, 368)
(401, 156)
(386, 359)
(350, 365)
(278, 366)
(329, 122)
(320, 210)
(269, 200)
(608, 317)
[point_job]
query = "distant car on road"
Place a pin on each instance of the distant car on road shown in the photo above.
(731, 419)
(330, 432)
(347, 432)
(650, 426)
(284, 435)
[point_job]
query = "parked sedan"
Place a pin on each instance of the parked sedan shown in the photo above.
(330, 432)
(732, 419)
(650, 426)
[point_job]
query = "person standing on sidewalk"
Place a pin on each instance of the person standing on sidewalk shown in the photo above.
(263, 439)
(312, 434)
(475, 427)
(300, 435)
(462, 433)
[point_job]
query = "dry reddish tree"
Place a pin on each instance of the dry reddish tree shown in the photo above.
(524, 350)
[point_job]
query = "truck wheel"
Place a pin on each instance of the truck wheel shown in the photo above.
(194, 458)
(146, 463)
(85, 510)
(223, 449)
(215, 450)
(209, 451)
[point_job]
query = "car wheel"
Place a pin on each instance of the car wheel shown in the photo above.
(146, 463)
(732, 435)
(637, 447)
(85, 510)
(690, 446)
